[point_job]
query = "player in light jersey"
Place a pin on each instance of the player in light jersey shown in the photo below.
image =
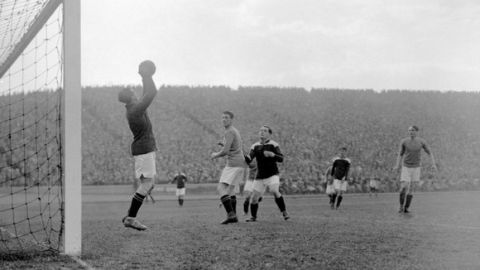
(409, 155)
(234, 171)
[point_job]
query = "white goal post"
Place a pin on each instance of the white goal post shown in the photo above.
(20, 25)
(72, 128)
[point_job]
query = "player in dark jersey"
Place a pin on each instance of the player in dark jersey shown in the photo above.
(267, 153)
(340, 168)
(180, 179)
(409, 155)
(143, 147)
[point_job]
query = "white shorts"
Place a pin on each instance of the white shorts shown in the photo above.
(180, 192)
(410, 174)
(248, 186)
(145, 165)
(232, 175)
(261, 185)
(340, 185)
(330, 189)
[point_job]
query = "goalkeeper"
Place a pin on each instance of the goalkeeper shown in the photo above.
(143, 146)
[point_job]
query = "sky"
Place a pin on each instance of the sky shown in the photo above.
(356, 44)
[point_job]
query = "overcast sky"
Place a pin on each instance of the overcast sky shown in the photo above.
(377, 44)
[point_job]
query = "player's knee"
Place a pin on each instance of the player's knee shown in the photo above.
(222, 189)
(145, 187)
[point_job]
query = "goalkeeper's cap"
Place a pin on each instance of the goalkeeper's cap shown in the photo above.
(125, 95)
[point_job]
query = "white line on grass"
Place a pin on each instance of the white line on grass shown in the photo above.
(82, 263)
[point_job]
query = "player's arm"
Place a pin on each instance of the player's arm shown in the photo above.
(334, 166)
(347, 170)
(228, 143)
(149, 93)
(401, 151)
(278, 156)
(250, 156)
(427, 150)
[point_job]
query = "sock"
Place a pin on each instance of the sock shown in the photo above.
(180, 201)
(227, 203)
(339, 200)
(254, 209)
(233, 201)
(280, 203)
(246, 204)
(137, 201)
(402, 198)
(334, 197)
(409, 201)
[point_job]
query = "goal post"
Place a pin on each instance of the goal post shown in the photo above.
(72, 128)
(40, 127)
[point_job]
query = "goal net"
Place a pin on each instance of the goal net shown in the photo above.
(31, 94)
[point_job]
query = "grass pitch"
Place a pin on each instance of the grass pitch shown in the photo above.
(442, 232)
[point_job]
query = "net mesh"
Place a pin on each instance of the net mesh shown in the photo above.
(31, 199)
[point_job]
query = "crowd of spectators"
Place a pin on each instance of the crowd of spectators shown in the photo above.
(309, 126)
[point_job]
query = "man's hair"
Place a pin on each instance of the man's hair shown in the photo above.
(229, 113)
(343, 148)
(414, 127)
(125, 95)
(269, 129)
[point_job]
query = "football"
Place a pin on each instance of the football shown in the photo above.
(146, 68)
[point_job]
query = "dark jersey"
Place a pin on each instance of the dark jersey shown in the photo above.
(139, 122)
(180, 179)
(340, 168)
(266, 166)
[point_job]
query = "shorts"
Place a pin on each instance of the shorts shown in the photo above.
(260, 185)
(232, 175)
(330, 189)
(340, 185)
(180, 192)
(410, 174)
(248, 186)
(145, 165)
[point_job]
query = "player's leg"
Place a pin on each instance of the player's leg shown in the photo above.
(342, 190)
(258, 190)
(405, 180)
(230, 177)
(145, 171)
(224, 192)
(233, 190)
(415, 177)
(273, 184)
(181, 196)
(337, 185)
(248, 190)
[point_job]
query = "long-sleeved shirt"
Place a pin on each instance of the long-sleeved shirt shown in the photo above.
(232, 148)
(266, 166)
(180, 179)
(139, 122)
(340, 168)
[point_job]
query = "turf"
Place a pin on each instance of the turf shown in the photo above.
(442, 232)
